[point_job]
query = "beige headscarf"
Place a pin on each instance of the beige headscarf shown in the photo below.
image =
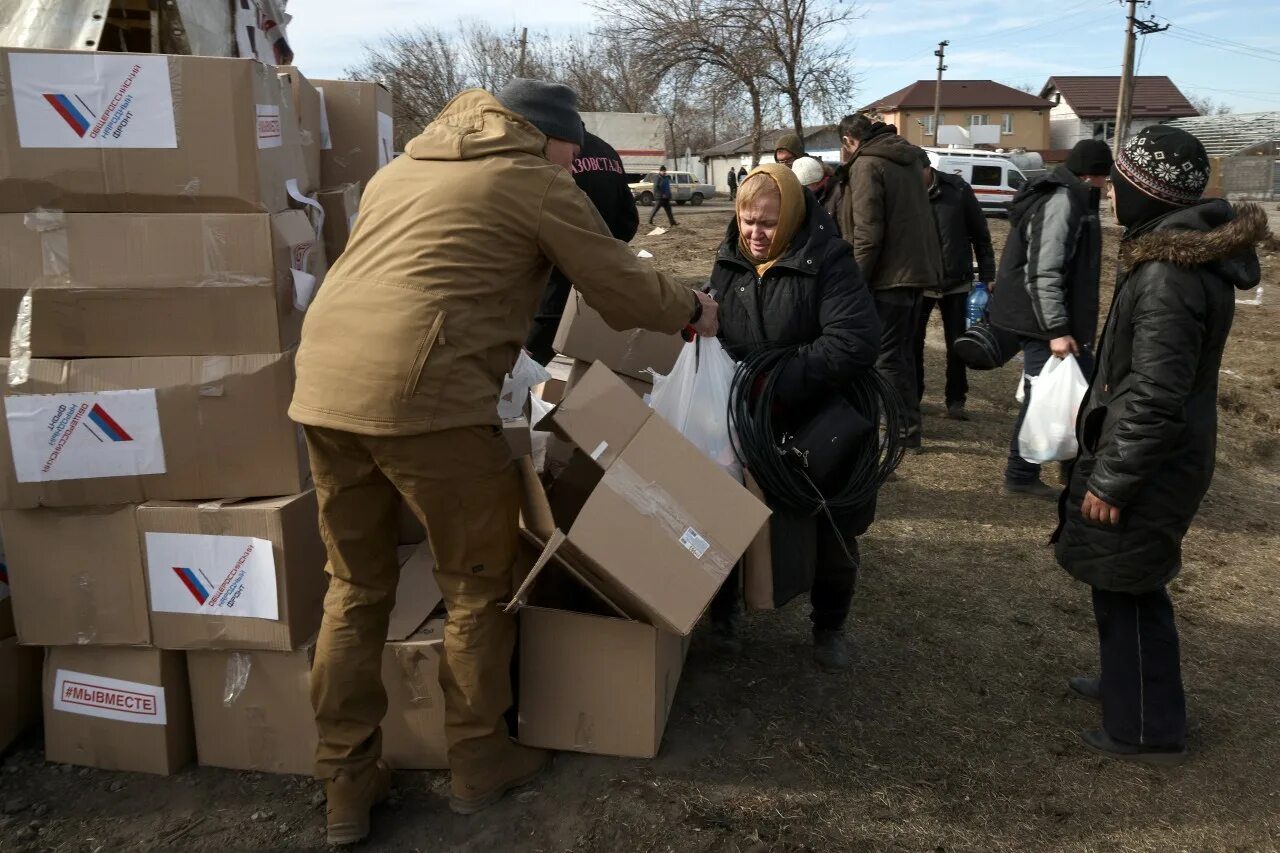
(790, 214)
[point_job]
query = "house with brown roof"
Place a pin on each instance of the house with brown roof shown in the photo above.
(1085, 107)
(1023, 117)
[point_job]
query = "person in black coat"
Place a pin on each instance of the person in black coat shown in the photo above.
(783, 276)
(963, 233)
(1148, 430)
(733, 183)
(1047, 286)
(598, 172)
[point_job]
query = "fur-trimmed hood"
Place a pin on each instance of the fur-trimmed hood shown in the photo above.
(1214, 233)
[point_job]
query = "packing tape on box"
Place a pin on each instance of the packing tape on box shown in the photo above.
(419, 679)
(651, 500)
(86, 608)
(239, 664)
(55, 262)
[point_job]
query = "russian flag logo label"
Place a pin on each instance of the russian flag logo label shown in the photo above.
(199, 588)
(70, 108)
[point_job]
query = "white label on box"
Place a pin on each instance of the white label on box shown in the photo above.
(109, 698)
(209, 575)
(695, 543)
(85, 435)
(92, 100)
(326, 142)
(270, 130)
(386, 139)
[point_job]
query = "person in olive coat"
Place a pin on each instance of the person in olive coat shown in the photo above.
(1148, 430)
(783, 276)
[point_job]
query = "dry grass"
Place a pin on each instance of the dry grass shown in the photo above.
(954, 731)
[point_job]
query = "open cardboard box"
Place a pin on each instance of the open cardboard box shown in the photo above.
(644, 518)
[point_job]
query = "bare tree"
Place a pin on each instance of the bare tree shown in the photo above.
(806, 63)
(421, 68)
(608, 74)
(1207, 106)
(699, 35)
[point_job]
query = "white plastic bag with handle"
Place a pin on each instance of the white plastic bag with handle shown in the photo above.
(1049, 432)
(515, 387)
(694, 398)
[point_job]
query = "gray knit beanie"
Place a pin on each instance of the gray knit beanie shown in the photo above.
(550, 107)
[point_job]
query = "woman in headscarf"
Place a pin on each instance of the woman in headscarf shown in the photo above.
(783, 277)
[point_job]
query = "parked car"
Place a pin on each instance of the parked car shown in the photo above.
(685, 189)
(994, 177)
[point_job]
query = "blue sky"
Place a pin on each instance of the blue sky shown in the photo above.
(1229, 52)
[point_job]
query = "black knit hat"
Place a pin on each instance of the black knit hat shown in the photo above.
(1089, 157)
(550, 107)
(1166, 163)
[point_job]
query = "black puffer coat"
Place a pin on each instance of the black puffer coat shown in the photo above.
(962, 229)
(813, 297)
(1047, 284)
(1149, 425)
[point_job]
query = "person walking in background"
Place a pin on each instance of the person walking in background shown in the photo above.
(1047, 285)
(598, 172)
(964, 237)
(1148, 429)
(733, 184)
(881, 207)
(742, 174)
(662, 196)
(402, 359)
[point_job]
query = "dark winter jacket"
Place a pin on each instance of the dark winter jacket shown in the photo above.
(1047, 285)
(882, 209)
(962, 231)
(813, 297)
(1148, 427)
(598, 172)
(662, 186)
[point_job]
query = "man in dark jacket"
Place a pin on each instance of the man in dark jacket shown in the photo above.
(662, 196)
(963, 233)
(881, 207)
(733, 183)
(1047, 285)
(1148, 430)
(598, 172)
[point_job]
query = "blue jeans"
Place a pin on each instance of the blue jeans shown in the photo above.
(1035, 355)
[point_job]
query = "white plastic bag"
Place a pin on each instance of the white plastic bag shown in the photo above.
(1020, 396)
(694, 398)
(538, 409)
(1049, 432)
(515, 388)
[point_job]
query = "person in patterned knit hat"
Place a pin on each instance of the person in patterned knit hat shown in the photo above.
(1147, 431)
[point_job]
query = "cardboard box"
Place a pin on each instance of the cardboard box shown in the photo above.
(642, 387)
(117, 709)
(648, 521)
(127, 430)
(252, 710)
(77, 576)
(108, 284)
(519, 437)
(305, 99)
(358, 136)
(114, 132)
(234, 574)
(591, 680)
(19, 689)
(340, 208)
(584, 335)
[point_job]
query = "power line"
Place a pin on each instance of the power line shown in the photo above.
(1200, 43)
(1224, 41)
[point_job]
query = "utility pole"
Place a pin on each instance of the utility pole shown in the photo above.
(1124, 103)
(524, 43)
(941, 53)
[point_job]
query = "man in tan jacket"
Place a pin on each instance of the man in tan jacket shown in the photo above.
(402, 359)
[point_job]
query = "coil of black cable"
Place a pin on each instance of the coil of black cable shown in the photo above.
(757, 439)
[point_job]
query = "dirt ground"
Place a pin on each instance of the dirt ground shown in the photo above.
(953, 732)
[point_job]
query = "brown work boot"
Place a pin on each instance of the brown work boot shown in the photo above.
(478, 788)
(351, 796)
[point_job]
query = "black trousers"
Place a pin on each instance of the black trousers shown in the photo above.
(953, 309)
(835, 578)
(547, 321)
(1142, 698)
(899, 310)
(662, 204)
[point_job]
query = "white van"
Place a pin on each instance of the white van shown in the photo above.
(994, 177)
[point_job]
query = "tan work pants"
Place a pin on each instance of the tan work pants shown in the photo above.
(463, 487)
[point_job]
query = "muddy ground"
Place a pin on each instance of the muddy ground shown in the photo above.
(953, 731)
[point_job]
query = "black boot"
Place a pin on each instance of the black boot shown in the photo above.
(1086, 687)
(1103, 744)
(831, 649)
(724, 636)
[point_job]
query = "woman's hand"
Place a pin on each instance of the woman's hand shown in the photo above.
(708, 324)
(1097, 510)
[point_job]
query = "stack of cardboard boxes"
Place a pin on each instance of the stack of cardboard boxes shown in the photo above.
(159, 245)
